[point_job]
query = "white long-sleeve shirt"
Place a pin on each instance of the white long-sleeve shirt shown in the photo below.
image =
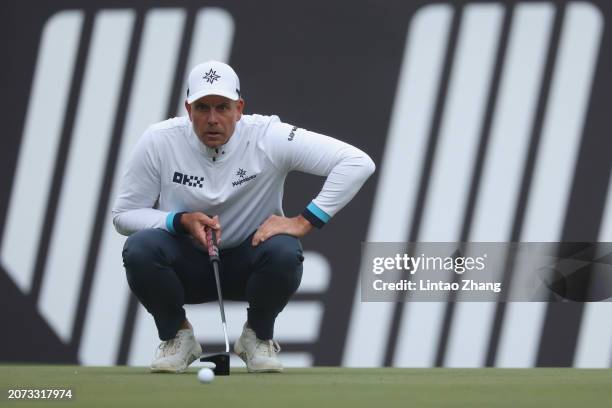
(171, 171)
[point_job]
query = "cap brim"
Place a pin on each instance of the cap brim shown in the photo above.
(230, 95)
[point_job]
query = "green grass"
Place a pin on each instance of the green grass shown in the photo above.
(315, 387)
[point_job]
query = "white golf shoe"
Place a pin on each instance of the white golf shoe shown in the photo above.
(175, 355)
(260, 356)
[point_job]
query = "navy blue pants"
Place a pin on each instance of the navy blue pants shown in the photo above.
(166, 271)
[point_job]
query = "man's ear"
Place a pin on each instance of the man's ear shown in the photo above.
(240, 107)
(188, 107)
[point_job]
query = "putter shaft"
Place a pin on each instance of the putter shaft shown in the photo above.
(213, 254)
(221, 307)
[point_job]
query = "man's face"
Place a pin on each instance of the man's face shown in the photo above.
(214, 118)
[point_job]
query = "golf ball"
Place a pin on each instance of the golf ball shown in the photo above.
(206, 375)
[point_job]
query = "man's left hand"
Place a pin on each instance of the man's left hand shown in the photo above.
(274, 225)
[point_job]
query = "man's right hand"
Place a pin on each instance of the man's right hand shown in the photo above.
(196, 222)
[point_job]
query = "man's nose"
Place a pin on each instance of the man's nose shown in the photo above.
(212, 117)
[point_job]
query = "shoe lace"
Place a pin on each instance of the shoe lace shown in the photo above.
(269, 347)
(171, 346)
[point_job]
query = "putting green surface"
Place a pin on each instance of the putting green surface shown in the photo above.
(313, 387)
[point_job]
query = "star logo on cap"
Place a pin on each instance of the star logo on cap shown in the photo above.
(211, 76)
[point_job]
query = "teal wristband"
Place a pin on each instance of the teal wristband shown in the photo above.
(170, 222)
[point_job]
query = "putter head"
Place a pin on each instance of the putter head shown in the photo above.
(221, 361)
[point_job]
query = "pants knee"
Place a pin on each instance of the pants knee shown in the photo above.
(284, 257)
(141, 251)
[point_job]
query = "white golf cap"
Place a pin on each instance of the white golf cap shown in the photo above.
(212, 78)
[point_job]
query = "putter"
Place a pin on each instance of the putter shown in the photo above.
(221, 361)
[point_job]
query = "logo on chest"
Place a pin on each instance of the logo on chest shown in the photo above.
(187, 180)
(292, 134)
(242, 177)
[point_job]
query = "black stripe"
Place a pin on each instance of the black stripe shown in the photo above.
(62, 155)
(426, 173)
(175, 95)
(519, 215)
(179, 88)
(559, 334)
(105, 188)
(563, 321)
(17, 83)
(128, 331)
(477, 172)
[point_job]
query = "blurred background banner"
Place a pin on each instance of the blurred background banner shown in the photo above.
(488, 122)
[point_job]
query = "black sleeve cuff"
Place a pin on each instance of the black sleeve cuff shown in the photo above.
(176, 223)
(313, 219)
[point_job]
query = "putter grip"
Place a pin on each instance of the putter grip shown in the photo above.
(211, 241)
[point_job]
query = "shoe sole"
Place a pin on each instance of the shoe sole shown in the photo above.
(168, 370)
